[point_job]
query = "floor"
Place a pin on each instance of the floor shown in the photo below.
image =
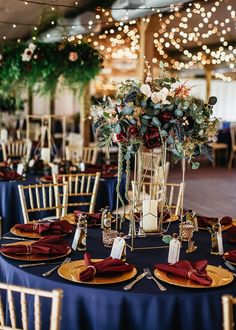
(209, 191)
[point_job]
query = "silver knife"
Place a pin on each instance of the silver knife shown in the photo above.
(17, 238)
(131, 284)
(39, 264)
(228, 264)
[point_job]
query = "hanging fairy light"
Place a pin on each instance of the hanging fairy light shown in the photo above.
(177, 37)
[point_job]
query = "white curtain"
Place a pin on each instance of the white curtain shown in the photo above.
(225, 108)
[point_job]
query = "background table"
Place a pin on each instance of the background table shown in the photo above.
(142, 308)
(10, 207)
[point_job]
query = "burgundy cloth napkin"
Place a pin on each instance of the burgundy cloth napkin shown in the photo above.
(108, 265)
(230, 256)
(92, 218)
(9, 175)
(195, 271)
(49, 245)
(204, 221)
(47, 228)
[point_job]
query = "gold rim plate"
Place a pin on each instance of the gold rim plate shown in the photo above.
(29, 257)
(219, 276)
(71, 271)
(25, 234)
(21, 233)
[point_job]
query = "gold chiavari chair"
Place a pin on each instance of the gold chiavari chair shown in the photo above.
(169, 196)
(82, 189)
(227, 303)
(17, 149)
(16, 301)
(89, 155)
(74, 153)
(233, 146)
(43, 197)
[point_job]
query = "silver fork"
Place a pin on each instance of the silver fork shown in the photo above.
(230, 266)
(149, 276)
(66, 261)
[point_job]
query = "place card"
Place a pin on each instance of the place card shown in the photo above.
(117, 248)
(150, 215)
(31, 162)
(174, 250)
(54, 169)
(220, 242)
(20, 169)
(45, 155)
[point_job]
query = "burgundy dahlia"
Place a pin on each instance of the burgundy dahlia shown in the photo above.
(133, 130)
(152, 138)
(165, 116)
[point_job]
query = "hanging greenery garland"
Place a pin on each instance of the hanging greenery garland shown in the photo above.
(40, 65)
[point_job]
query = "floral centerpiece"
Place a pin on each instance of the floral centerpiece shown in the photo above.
(155, 113)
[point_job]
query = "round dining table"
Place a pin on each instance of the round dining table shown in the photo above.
(145, 307)
(10, 206)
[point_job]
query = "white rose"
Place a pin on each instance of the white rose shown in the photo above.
(146, 90)
(155, 97)
(26, 56)
(148, 79)
(32, 46)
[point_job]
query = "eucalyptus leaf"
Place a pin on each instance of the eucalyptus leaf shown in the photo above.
(178, 113)
(118, 128)
(156, 121)
(163, 133)
(195, 165)
(127, 156)
(144, 121)
(127, 110)
(170, 140)
(146, 117)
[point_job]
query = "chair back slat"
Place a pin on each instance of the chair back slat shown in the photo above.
(37, 318)
(81, 186)
(16, 149)
(43, 197)
(2, 319)
(11, 308)
(24, 316)
(20, 310)
(228, 315)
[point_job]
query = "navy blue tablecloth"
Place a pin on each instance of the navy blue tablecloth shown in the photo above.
(145, 307)
(10, 207)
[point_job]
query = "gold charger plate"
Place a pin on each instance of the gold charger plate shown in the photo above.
(25, 234)
(71, 271)
(219, 276)
(21, 233)
(29, 257)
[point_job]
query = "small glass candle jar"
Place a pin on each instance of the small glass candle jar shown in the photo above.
(186, 231)
(108, 237)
